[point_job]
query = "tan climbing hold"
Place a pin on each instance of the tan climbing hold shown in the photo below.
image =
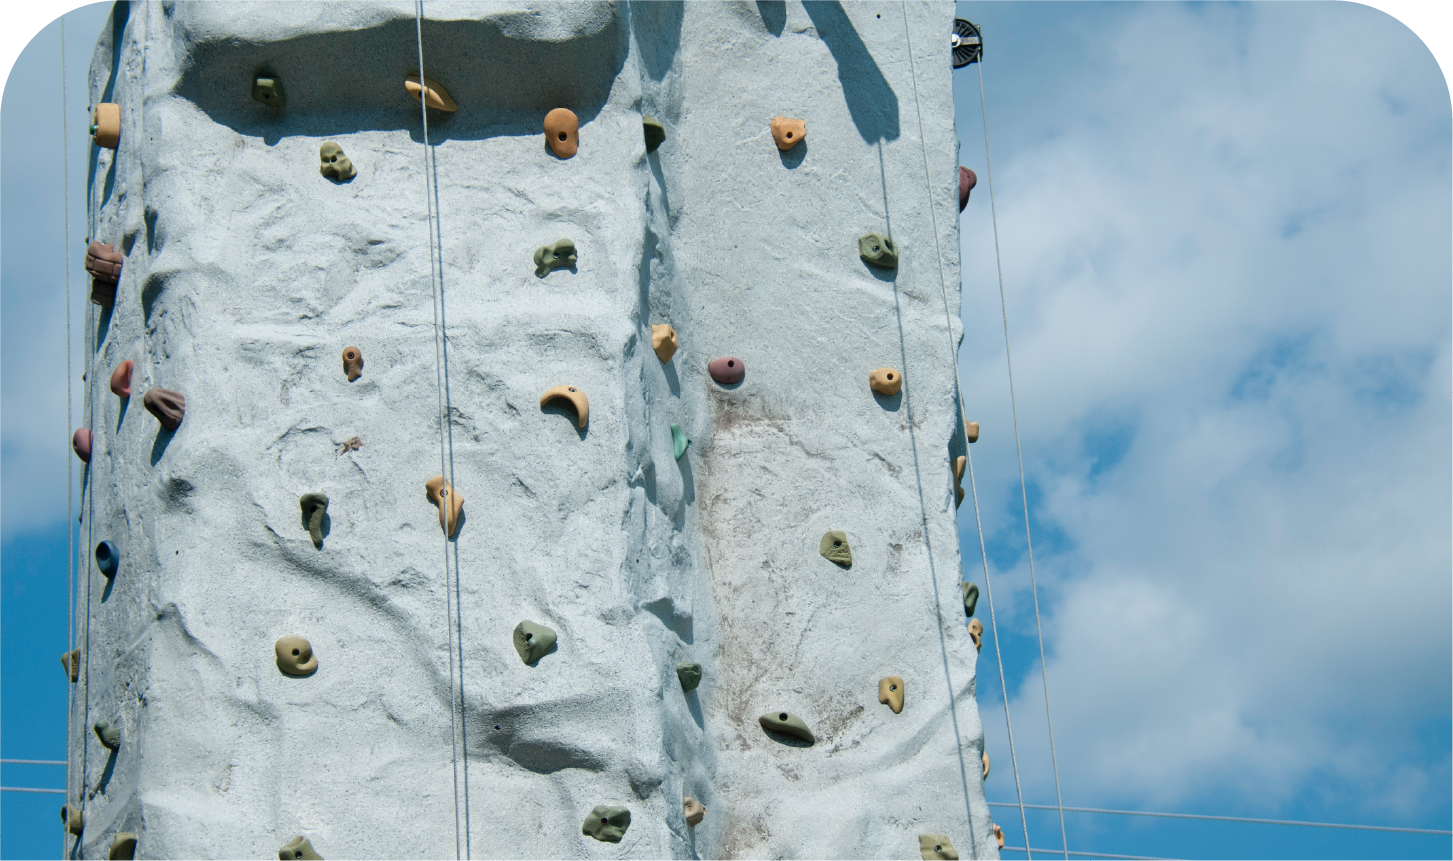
(936, 846)
(75, 819)
(986, 765)
(352, 363)
(695, 811)
(663, 341)
(298, 849)
(107, 123)
(123, 846)
(295, 656)
(576, 398)
(788, 132)
(450, 503)
(959, 464)
(890, 692)
(885, 381)
(562, 132)
(972, 430)
(432, 94)
(72, 662)
(999, 836)
(976, 633)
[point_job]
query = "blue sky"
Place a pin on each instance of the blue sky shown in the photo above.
(1226, 241)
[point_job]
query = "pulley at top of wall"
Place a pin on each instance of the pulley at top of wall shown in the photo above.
(967, 43)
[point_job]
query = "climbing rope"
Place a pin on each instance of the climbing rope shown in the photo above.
(1023, 486)
(70, 475)
(446, 454)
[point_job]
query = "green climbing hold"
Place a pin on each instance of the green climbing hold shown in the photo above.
(532, 641)
(787, 723)
(607, 824)
(689, 676)
(269, 91)
(315, 506)
(559, 254)
(971, 598)
(834, 547)
(655, 133)
(299, 848)
(878, 250)
(679, 442)
(109, 735)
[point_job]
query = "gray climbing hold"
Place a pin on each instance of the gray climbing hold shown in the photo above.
(689, 676)
(559, 254)
(109, 735)
(935, 847)
(334, 164)
(971, 599)
(108, 558)
(299, 848)
(655, 133)
(532, 641)
(315, 506)
(123, 847)
(787, 723)
(679, 442)
(878, 250)
(834, 547)
(269, 91)
(607, 824)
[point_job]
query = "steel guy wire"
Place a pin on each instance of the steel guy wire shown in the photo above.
(70, 474)
(1253, 820)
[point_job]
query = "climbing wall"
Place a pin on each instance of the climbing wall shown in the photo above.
(292, 645)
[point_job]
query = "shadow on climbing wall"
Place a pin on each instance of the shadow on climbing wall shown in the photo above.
(657, 28)
(158, 447)
(774, 15)
(871, 102)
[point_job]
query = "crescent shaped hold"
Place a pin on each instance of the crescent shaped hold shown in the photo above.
(450, 503)
(575, 396)
(432, 94)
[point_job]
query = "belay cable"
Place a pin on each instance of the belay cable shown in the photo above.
(70, 476)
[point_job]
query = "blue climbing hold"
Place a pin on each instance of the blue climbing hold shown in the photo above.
(107, 558)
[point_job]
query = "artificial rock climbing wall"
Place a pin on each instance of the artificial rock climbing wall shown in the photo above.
(249, 268)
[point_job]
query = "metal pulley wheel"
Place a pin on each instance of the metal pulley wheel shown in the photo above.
(967, 44)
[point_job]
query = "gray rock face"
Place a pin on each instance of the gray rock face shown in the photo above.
(423, 734)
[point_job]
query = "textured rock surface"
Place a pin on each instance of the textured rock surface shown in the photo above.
(246, 271)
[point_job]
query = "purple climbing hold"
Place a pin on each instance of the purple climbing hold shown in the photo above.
(727, 370)
(967, 180)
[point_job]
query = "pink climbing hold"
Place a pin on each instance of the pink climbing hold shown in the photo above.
(121, 379)
(727, 370)
(967, 180)
(81, 442)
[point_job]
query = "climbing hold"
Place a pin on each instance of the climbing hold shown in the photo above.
(315, 506)
(663, 341)
(576, 398)
(104, 264)
(269, 91)
(450, 503)
(106, 125)
(689, 675)
(121, 379)
(971, 599)
(695, 811)
(295, 656)
(788, 724)
(976, 633)
(999, 836)
(562, 132)
(936, 846)
(74, 818)
(971, 429)
(532, 641)
(168, 406)
(352, 363)
(986, 764)
(123, 846)
(72, 662)
(890, 692)
(432, 94)
(559, 254)
(350, 444)
(109, 735)
(967, 180)
(787, 132)
(679, 442)
(834, 547)
(959, 463)
(878, 250)
(107, 558)
(81, 444)
(335, 165)
(885, 381)
(607, 824)
(727, 370)
(298, 848)
(655, 133)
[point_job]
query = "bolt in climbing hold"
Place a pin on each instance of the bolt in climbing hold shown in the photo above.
(787, 723)
(976, 633)
(689, 675)
(532, 641)
(352, 363)
(269, 91)
(695, 811)
(72, 662)
(679, 442)
(576, 398)
(562, 132)
(559, 254)
(298, 848)
(81, 444)
(333, 163)
(885, 381)
(450, 503)
(109, 735)
(663, 341)
(787, 132)
(108, 558)
(315, 507)
(123, 846)
(967, 180)
(655, 133)
(878, 250)
(295, 656)
(168, 406)
(103, 262)
(834, 547)
(971, 599)
(727, 370)
(121, 379)
(433, 95)
(106, 125)
(607, 824)
(890, 692)
(935, 847)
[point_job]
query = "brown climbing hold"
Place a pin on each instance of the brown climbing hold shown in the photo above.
(168, 406)
(885, 381)
(890, 692)
(663, 341)
(432, 94)
(72, 662)
(695, 811)
(450, 503)
(351, 444)
(576, 398)
(562, 132)
(121, 379)
(976, 633)
(971, 429)
(935, 847)
(967, 180)
(727, 370)
(352, 363)
(999, 836)
(788, 132)
(104, 264)
(295, 656)
(106, 125)
(986, 765)
(123, 846)
(81, 444)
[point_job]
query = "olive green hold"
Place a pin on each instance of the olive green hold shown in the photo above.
(607, 824)
(834, 547)
(679, 442)
(269, 91)
(935, 847)
(300, 848)
(559, 254)
(533, 641)
(314, 505)
(109, 735)
(655, 133)
(878, 250)
(123, 847)
(689, 675)
(787, 723)
(971, 599)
